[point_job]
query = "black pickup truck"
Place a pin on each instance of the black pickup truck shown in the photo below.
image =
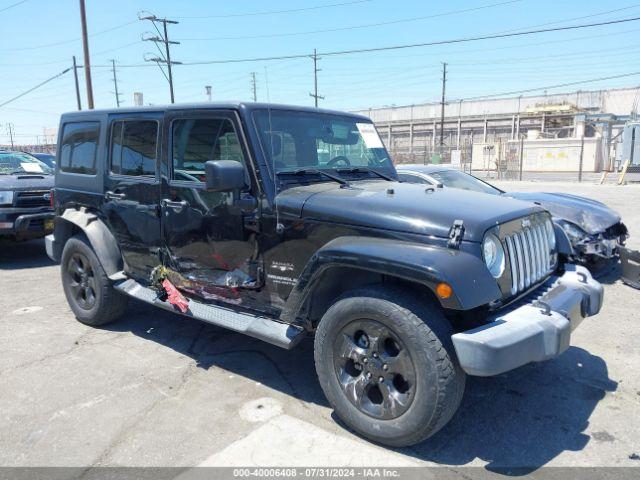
(280, 221)
(25, 196)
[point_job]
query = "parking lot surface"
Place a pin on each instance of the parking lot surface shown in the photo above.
(157, 389)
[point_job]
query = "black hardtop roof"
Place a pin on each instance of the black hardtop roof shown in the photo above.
(230, 105)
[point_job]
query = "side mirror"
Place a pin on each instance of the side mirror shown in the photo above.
(224, 175)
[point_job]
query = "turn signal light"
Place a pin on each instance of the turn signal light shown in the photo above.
(444, 290)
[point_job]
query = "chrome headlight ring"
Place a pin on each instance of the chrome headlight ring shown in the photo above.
(493, 255)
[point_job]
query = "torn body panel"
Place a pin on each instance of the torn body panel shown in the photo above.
(630, 260)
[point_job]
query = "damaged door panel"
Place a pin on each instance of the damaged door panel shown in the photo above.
(211, 242)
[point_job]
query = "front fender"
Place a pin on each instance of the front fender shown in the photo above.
(100, 237)
(472, 284)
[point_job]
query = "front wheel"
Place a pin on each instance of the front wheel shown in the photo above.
(385, 363)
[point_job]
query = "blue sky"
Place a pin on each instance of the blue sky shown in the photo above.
(38, 38)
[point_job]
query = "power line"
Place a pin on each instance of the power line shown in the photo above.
(36, 87)
(425, 44)
(452, 52)
(12, 5)
(549, 87)
(64, 42)
(275, 12)
(355, 27)
(599, 14)
(484, 37)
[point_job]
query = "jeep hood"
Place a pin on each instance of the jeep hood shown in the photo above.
(590, 215)
(411, 208)
(26, 182)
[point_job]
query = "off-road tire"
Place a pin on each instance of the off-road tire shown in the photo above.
(421, 325)
(109, 304)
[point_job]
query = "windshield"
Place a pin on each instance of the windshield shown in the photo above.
(464, 181)
(22, 163)
(294, 140)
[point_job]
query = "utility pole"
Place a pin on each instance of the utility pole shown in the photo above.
(315, 79)
(10, 127)
(207, 89)
(253, 86)
(165, 57)
(115, 82)
(87, 61)
(442, 104)
(75, 77)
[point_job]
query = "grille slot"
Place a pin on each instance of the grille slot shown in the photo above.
(529, 253)
(32, 198)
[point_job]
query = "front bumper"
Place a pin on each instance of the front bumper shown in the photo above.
(533, 330)
(26, 225)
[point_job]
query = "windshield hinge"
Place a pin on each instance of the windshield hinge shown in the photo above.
(455, 234)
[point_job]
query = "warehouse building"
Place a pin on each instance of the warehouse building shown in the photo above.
(563, 132)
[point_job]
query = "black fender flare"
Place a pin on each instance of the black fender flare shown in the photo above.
(472, 284)
(102, 241)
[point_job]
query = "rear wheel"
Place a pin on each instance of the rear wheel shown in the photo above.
(89, 291)
(386, 364)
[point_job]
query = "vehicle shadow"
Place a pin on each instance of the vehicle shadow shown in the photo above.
(520, 421)
(25, 254)
(517, 422)
(289, 371)
(607, 273)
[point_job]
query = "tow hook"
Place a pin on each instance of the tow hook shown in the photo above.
(544, 307)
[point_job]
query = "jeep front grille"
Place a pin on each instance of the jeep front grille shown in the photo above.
(530, 255)
(32, 198)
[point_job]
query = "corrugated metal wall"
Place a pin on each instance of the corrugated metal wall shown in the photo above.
(617, 102)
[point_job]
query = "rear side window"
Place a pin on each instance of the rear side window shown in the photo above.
(79, 147)
(134, 148)
(195, 141)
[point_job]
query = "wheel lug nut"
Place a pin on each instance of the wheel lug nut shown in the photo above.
(385, 367)
(375, 354)
(365, 360)
(369, 375)
(381, 379)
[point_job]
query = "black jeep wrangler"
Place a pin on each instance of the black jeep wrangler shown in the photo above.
(279, 221)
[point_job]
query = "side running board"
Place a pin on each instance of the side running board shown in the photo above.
(263, 328)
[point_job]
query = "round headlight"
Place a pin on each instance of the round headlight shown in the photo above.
(551, 234)
(493, 255)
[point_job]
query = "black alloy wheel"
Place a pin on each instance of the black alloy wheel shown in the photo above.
(81, 280)
(374, 369)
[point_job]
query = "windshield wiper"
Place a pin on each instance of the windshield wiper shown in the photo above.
(364, 169)
(314, 171)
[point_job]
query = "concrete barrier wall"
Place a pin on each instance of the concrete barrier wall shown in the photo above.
(543, 155)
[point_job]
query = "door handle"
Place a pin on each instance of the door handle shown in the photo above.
(108, 195)
(176, 206)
